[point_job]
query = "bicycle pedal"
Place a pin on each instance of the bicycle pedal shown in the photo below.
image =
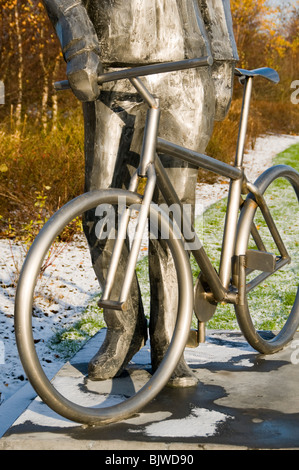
(203, 308)
(192, 341)
(196, 337)
(260, 261)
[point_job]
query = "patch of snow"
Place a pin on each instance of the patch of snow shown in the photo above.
(200, 423)
(256, 161)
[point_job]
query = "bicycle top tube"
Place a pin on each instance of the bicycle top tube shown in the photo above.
(152, 69)
(144, 70)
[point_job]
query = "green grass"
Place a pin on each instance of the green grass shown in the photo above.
(271, 302)
(289, 157)
(212, 233)
(67, 341)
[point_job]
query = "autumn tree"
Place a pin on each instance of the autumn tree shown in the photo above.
(256, 32)
(30, 59)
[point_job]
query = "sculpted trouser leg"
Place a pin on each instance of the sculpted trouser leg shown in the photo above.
(187, 103)
(163, 284)
(188, 122)
(108, 131)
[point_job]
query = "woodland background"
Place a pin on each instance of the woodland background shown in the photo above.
(41, 132)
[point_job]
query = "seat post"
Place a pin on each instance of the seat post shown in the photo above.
(233, 206)
(243, 120)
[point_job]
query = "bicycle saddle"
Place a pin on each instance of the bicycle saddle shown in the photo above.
(265, 72)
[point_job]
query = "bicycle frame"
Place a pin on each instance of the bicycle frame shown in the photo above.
(152, 172)
(219, 284)
(152, 168)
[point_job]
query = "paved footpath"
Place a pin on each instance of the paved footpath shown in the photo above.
(243, 401)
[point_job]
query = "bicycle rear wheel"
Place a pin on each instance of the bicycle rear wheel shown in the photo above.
(270, 316)
(30, 301)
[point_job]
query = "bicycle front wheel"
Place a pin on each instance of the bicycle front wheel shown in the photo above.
(270, 316)
(41, 268)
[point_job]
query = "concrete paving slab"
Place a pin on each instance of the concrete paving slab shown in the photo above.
(243, 400)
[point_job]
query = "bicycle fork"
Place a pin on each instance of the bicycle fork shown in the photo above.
(144, 174)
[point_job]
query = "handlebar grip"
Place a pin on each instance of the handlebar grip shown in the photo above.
(62, 85)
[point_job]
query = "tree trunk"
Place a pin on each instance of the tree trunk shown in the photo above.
(45, 95)
(55, 97)
(20, 69)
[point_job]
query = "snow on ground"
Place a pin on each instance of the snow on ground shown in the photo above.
(77, 286)
(255, 161)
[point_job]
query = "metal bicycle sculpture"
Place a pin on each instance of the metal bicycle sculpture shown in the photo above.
(245, 265)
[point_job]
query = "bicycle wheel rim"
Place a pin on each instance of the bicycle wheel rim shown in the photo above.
(23, 314)
(255, 338)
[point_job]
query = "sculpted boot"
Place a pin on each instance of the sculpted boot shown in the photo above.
(123, 340)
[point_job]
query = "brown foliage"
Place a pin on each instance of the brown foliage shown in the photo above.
(41, 132)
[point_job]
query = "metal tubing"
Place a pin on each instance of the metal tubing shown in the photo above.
(144, 70)
(269, 219)
(146, 165)
(118, 245)
(243, 122)
(148, 150)
(155, 68)
(142, 220)
(23, 312)
(233, 206)
(230, 230)
(198, 159)
(247, 214)
(242, 280)
(144, 93)
(210, 274)
(261, 277)
(201, 332)
(257, 238)
(244, 228)
(116, 253)
(171, 197)
(199, 253)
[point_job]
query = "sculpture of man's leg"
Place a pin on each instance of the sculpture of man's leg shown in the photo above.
(188, 121)
(108, 131)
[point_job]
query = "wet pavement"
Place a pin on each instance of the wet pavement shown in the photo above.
(243, 400)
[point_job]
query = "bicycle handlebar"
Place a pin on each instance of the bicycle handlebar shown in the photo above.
(145, 70)
(165, 67)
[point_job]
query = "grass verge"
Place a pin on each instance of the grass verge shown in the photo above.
(270, 303)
